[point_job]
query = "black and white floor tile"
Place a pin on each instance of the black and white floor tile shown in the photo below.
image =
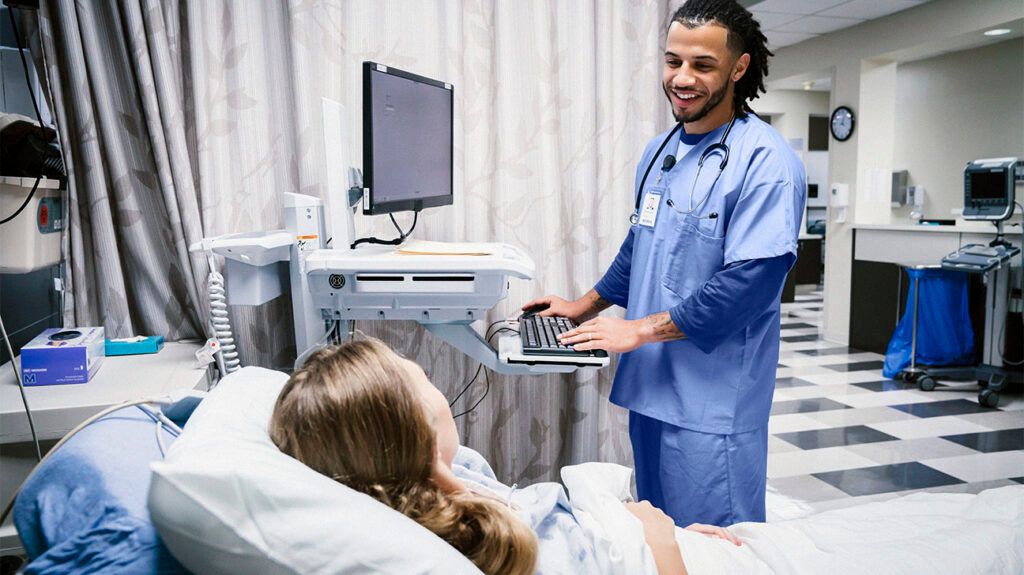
(842, 434)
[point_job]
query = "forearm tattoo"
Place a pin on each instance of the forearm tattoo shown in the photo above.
(662, 328)
(597, 303)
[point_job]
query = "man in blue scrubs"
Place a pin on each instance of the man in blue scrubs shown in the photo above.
(700, 274)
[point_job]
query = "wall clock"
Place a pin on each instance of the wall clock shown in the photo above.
(841, 124)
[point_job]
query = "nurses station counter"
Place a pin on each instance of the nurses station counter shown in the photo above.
(879, 286)
(809, 267)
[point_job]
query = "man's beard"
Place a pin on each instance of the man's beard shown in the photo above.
(697, 115)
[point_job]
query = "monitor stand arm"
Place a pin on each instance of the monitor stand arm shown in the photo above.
(1000, 239)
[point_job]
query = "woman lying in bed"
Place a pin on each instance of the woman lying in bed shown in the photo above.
(362, 415)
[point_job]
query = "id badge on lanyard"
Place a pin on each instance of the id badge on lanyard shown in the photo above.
(650, 205)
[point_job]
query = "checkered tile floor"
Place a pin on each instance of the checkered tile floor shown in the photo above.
(842, 434)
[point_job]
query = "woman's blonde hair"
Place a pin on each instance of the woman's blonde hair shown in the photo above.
(352, 414)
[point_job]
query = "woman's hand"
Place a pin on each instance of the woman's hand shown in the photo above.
(716, 532)
(660, 534)
(657, 525)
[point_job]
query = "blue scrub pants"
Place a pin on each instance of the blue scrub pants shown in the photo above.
(700, 477)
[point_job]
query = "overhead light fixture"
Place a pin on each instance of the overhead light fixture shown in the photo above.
(808, 85)
(997, 31)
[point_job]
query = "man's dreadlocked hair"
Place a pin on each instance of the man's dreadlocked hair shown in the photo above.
(745, 36)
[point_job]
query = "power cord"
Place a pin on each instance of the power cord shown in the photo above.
(21, 388)
(477, 374)
(487, 336)
(28, 199)
(220, 320)
(393, 242)
(487, 390)
(39, 118)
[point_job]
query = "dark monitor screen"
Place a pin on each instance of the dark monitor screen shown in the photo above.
(988, 185)
(407, 140)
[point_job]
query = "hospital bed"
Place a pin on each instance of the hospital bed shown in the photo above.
(225, 501)
(84, 510)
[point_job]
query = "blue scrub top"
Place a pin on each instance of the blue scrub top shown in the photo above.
(725, 387)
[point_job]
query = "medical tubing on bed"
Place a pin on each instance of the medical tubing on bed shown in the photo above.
(162, 421)
(159, 417)
(21, 388)
(69, 435)
(220, 322)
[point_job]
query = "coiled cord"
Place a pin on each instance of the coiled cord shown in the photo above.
(220, 322)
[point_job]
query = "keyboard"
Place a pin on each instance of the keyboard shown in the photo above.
(979, 258)
(540, 337)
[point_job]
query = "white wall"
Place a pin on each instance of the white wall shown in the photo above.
(790, 110)
(860, 59)
(955, 108)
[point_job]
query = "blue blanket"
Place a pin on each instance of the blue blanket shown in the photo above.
(84, 510)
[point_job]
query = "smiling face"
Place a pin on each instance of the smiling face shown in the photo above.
(700, 74)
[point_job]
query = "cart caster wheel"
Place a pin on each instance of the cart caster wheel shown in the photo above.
(926, 383)
(901, 376)
(988, 398)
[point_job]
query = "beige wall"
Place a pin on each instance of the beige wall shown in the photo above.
(955, 108)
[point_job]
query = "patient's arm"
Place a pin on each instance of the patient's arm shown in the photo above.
(659, 531)
(715, 532)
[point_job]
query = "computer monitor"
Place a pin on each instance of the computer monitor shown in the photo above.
(408, 140)
(989, 189)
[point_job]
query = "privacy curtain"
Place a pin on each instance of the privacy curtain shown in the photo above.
(187, 119)
(112, 70)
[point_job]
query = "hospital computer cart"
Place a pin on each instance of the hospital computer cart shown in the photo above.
(336, 277)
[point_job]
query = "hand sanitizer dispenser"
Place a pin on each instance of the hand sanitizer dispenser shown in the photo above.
(839, 199)
(915, 197)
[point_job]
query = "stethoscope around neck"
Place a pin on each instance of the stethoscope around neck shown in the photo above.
(670, 160)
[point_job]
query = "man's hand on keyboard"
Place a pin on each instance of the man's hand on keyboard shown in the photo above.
(578, 311)
(607, 333)
(553, 306)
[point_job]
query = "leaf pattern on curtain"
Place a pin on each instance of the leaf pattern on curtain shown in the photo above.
(554, 103)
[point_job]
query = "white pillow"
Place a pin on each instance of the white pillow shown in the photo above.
(226, 500)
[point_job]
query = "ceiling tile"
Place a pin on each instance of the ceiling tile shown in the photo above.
(818, 25)
(772, 20)
(795, 6)
(869, 9)
(780, 39)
